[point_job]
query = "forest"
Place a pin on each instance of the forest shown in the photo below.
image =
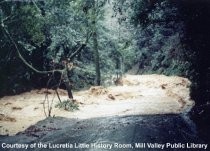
(76, 49)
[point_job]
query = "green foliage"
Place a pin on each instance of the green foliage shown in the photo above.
(31, 23)
(51, 31)
(158, 37)
(68, 105)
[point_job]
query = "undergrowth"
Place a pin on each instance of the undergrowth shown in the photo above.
(67, 105)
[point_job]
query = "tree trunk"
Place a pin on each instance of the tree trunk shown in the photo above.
(96, 59)
(69, 90)
(95, 47)
(67, 83)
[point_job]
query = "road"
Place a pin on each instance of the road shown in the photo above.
(117, 131)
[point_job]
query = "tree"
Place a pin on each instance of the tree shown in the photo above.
(95, 43)
(53, 35)
(95, 13)
(88, 13)
(61, 62)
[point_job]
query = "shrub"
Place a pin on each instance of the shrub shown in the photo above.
(67, 105)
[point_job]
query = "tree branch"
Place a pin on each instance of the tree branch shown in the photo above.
(77, 51)
(81, 47)
(23, 59)
(38, 9)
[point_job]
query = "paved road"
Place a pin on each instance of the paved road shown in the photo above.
(110, 131)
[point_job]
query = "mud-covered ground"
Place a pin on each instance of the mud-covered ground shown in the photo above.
(135, 95)
(150, 109)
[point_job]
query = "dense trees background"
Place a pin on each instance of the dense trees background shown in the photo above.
(48, 33)
(173, 39)
(109, 36)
